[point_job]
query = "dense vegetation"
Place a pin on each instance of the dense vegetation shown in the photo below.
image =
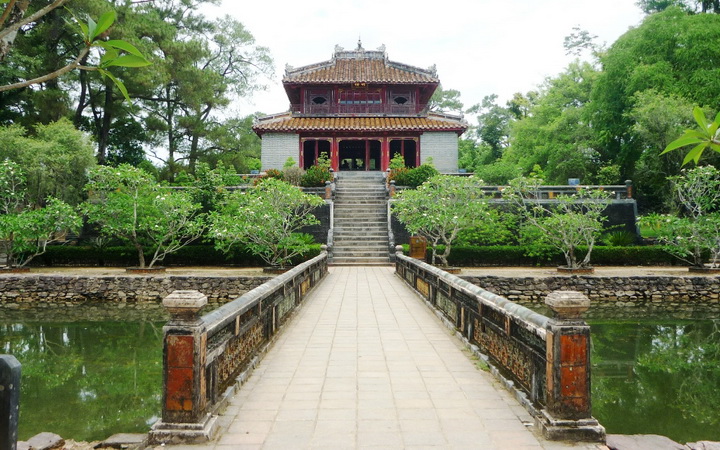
(608, 120)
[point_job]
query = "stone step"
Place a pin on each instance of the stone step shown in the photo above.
(355, 227)
(361, 246)
(384, 263)
(378, 216)
(360, 261)
(360, 235)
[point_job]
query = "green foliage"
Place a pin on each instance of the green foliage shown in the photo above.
(270, 174)
(566, 223)
(500, 228)
(25, 231)
(293, 175)
(397, 162)
(128, 204)
(266, 219)
(518, 255)
(441, 208)
(696, 235)
(619, 238)
(412, 177)
(316, 176)
(55, 158)
(290, 162)
(706, 136)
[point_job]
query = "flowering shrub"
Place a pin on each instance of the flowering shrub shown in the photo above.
(440, 209)
(266, 220)
(127, 203)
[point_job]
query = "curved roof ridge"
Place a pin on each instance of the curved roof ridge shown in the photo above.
(360, 65)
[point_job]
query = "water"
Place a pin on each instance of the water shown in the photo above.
(86, 380)
(657, 377)
(89, 380)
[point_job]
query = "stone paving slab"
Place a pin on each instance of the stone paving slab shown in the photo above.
(365, 364)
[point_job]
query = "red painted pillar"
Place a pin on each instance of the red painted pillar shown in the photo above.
(384, 154)
(335, 154)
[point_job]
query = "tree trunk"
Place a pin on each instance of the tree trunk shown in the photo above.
(104, 129)
(141, 254)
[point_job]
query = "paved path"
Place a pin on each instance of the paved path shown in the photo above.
(365, 364)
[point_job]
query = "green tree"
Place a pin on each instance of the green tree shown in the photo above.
(55, 158)
(127, 203)
(556, 133)
(25, 230)
(493, 124)
(266, 219)
(565, 223)
(445, 101)
(672, 52)
(440, 209)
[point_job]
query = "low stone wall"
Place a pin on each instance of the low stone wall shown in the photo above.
(112, 297)
(615, 297)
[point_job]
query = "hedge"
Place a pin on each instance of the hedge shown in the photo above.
(126, 256)
(514, 255)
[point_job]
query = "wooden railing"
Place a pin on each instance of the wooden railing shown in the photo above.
(205, 357)
(546, 361)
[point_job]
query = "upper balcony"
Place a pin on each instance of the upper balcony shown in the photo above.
(358, 108)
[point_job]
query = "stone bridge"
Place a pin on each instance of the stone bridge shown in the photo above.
(355, 357)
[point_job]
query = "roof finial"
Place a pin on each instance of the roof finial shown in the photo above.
(360, 47)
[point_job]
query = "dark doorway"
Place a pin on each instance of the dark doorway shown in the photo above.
(359, 155)
(312, 150)
(407, 148)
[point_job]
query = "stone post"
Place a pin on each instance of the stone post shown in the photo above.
(328, 190)
(392, 188)
(629, 187)
(569, 413)
(184, 404)
(9, 401)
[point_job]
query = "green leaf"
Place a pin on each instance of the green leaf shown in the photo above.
(682, 141)
(694, 154)
(700, 117)
(104, 22)
(121, 45)
(117, 82)
(91, 27)
(127, 61)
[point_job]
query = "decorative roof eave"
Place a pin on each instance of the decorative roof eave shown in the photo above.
(287, 123)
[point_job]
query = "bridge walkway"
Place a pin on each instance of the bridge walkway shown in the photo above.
(365, 364)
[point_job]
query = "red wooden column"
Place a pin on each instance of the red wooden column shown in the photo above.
(384, 154)
(335, 154)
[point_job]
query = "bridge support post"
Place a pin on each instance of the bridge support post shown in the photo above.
(568, 415)
(184, 405)
(9, 401)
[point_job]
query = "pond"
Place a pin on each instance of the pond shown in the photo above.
(89, 380)
(657, 377)
(86, 380)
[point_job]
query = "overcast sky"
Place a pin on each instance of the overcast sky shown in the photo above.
(480, 47)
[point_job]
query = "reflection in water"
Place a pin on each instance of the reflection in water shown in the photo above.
(657, 377)
(86, 380)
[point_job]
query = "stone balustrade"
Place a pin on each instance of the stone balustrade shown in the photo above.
(545, 361)
(206, 357)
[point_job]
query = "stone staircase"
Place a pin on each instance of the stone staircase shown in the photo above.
(360, 232)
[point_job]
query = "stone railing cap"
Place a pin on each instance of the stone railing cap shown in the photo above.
(185, 300)
(567, 304)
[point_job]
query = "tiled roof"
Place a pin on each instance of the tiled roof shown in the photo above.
(359, 66)
(288, 123)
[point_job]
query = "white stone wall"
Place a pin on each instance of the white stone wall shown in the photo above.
(442, 147)
(277, 148)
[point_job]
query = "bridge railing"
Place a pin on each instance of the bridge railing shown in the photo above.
(205, 357)
(545, 361)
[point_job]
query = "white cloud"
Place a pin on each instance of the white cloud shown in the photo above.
(480, 47)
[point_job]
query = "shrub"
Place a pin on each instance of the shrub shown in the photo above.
(315, 176)
(293, 175)
(270, 173)
(412, 177)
